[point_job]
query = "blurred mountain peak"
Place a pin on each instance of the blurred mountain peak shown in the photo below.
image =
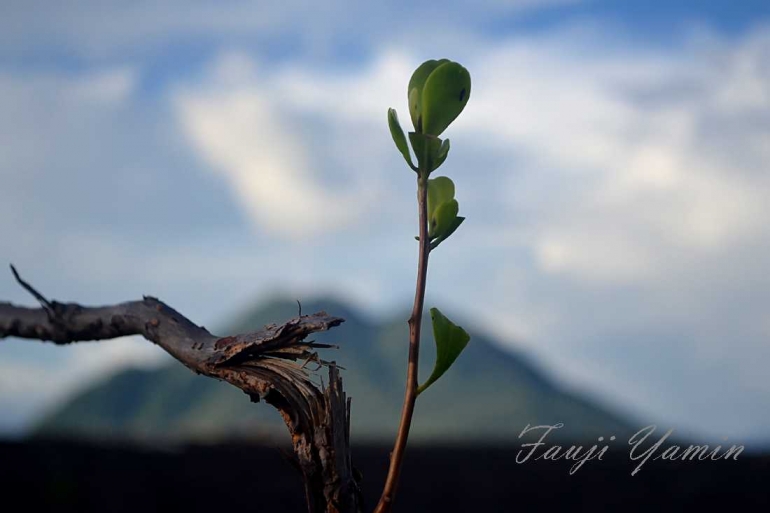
(281, 308)
(489, 394)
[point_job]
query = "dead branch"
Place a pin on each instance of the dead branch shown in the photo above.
(263, 364)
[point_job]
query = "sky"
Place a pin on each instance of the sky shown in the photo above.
(611, 164)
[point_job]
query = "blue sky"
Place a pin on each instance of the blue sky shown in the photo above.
(612, 163)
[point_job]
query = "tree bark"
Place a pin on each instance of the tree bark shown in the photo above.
(267, 365)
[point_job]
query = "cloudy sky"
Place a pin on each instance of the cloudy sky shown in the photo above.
(612, 163)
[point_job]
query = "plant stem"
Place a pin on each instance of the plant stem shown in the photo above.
(415, 323)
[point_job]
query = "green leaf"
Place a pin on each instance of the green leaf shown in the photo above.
(398, 136)
(414, 90)
(442, 209)
(444, 95)
(419, 144)
(444, 236)
(450, 342)
(440, 189)
(443, 218)
(442, 154)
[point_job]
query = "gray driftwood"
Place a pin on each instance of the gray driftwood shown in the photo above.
(268, 365)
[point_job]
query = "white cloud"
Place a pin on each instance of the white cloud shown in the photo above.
(240, 126)
(624, 168)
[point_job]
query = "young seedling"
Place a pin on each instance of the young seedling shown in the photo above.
(264, 364)
(438, 92)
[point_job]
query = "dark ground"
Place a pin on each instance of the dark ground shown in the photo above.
(67, 476)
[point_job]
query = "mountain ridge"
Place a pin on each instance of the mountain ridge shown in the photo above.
(489, 394)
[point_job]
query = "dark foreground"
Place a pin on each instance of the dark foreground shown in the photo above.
(61, 477)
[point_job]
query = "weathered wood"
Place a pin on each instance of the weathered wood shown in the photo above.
(268, 365)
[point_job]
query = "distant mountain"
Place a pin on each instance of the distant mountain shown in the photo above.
(490, 394)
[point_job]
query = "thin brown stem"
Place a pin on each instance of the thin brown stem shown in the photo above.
(415, 322)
